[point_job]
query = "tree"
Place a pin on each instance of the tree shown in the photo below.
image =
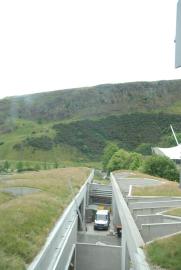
(119, 161)
(161, 166)
(125, 160)
(108, 152)
(6, 166)
(135, 161)
(19, 166)
(144, 149)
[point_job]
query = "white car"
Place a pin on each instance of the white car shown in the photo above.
(102, 220)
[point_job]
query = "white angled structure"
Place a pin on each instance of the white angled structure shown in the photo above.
(173, 153)
(178, 37)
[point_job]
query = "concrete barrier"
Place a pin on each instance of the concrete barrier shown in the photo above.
(95, 238)
(132, 241)
(168, 203)
(150, 219)
(134, 199)
(153, 231)
(148, 211)
(97, 257)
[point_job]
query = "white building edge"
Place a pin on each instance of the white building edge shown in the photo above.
(173, 153)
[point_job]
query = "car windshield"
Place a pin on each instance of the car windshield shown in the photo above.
(101, 217)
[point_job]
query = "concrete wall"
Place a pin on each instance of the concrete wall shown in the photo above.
(95, 238)
(153, 231)
(150, 219)
(148, 211)
(169, 203)
(97, 257)
(132, 199)
(132, 241)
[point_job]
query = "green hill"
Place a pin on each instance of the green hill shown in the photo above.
(75, 125)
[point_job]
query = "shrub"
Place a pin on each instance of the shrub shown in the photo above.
(108, 152)
(19, 166)
(43, 142)
(144, 149)
(125, 160)
(161, 166)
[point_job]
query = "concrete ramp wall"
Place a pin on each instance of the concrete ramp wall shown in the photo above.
(134, 199)
(150, 219)
(169, 203)
(151, 231)
(97, 257)
(148, 211)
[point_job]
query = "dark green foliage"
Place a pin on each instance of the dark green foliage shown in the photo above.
(134, 115)
(43, 142)
(161, 166)
(125, 160)
(55, 165)
(6, 166)
(108, 152)
(144, 149)
(168, 140)
(130, 131)
(19, 166)
(84, 135)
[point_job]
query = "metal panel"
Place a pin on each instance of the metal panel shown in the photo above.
(178, 37)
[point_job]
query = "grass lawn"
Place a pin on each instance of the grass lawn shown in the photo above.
(167, 188)
(25, 221)
(174, 212)
(166, 252)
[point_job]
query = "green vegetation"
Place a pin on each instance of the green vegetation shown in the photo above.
(166, 252)
(162, 167)
(76, 125)
(26, 220)
(166, 188)
(153, 165)
(4, 197)
(144, 149)
(174, 212)
(124, 160)
(108, 152)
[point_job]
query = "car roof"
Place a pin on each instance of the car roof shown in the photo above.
(102, 212)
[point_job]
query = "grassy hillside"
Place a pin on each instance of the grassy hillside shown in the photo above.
(75, 125)
(84, 140)
(97, 101)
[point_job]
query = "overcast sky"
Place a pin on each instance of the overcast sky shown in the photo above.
(52, 45)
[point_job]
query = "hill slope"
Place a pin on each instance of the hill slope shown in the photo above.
(76, 124)
(97, 101)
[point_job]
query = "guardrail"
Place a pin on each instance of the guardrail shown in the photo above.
(132, 239)
(60, 244)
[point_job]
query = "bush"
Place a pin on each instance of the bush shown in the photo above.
(108, 152)
(19, 166)
(125, 160)
(144, 149)
(162, 167)
(43, 142)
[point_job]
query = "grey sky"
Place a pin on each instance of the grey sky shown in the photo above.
(51, 45)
